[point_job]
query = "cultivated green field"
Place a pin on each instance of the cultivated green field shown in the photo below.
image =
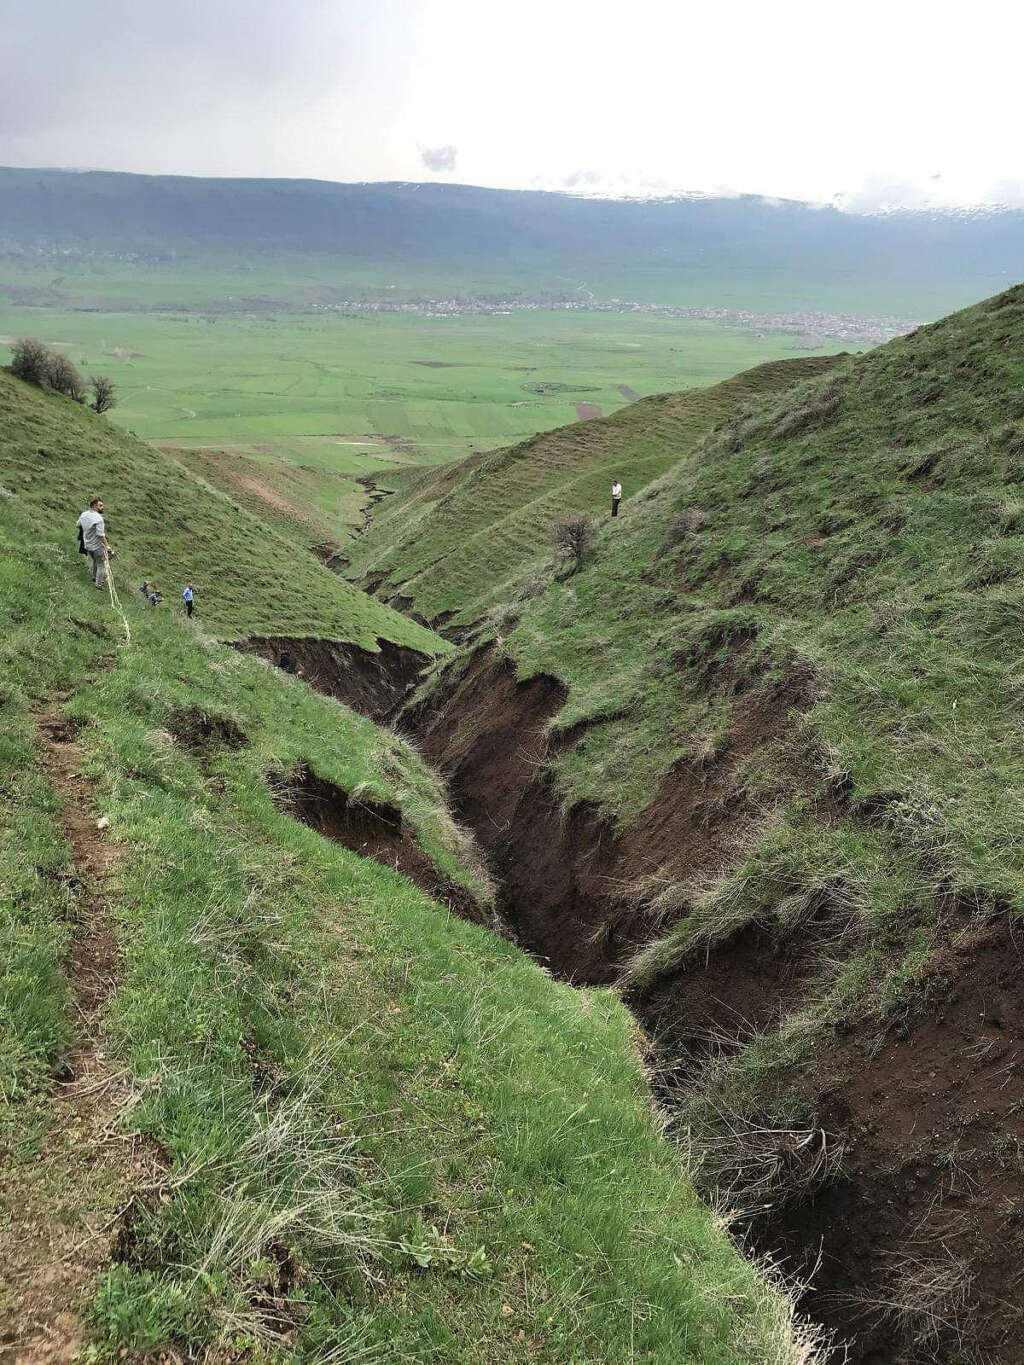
(346, 396)
(339, 391)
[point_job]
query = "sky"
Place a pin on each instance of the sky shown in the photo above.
(872, 105)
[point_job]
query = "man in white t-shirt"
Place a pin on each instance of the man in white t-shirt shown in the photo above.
(616, 497)
(92, 531)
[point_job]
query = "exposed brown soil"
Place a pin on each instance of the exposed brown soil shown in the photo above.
(375, 684)
(930, 1189)
(260, 488)
(374, 496)
(331, 556)
(373, 829)
(721, 995)
(569, 878)
(64, 1211)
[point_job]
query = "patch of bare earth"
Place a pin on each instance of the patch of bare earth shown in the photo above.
(59, 1215)
(373, 829)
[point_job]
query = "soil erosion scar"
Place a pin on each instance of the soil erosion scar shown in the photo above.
(374, 683)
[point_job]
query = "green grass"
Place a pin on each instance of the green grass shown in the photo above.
(461, 538)
(388, 1134)
(345, 396)
(169, 526)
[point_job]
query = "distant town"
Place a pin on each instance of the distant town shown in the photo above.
(809, 326)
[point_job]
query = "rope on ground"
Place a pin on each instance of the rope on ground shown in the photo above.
(115, 602)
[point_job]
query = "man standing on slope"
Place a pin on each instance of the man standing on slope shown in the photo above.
(616, 497)
(188, 597)
(92, 532)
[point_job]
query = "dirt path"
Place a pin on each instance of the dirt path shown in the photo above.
(59, 1212)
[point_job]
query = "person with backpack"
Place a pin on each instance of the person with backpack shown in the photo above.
(92, 540)
(188, 597)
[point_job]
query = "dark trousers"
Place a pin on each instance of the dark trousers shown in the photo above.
(188, 608)
(615, 506)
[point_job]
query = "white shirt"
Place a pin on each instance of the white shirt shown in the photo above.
(616, 490)
(93, 529)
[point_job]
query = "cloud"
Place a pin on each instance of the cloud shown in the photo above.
(439, 158)
(578, 178)
(884, 194)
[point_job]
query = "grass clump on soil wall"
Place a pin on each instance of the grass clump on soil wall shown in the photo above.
(372, 1131)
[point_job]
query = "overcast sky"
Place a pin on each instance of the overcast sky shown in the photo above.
(882, 103)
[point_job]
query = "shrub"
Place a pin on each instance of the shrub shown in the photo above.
(64, 378)
(31, 360)
(103, 398)
(573, 538)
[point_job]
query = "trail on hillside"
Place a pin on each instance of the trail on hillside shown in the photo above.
(65, 1209)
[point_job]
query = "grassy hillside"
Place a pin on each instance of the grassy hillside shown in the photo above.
(260, 1096)
(168, 525)
(273, 237)
(867, 523)
(460, 538)
(770, 778)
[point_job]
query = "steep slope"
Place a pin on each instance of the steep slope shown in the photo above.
(452, 541)
(167, 525)
(740, 251)
(761, 763)
(260, 1096)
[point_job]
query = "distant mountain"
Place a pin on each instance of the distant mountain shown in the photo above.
(741, 251)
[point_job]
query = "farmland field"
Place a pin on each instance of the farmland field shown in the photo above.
(292, 408)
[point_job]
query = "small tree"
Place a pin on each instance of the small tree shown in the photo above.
(573, 538)
(103, 398)
(31, 360)
(64, 378)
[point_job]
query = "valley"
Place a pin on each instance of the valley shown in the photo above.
(443, 948)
